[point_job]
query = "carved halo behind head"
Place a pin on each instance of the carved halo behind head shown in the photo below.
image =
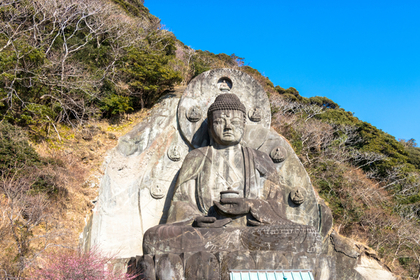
(202, 91)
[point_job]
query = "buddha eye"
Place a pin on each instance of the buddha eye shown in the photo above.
(218, 121)
(236, 122)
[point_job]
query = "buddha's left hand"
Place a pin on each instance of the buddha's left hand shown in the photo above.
(233, 206)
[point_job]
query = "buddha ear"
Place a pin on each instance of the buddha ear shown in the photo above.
(210, 130)
(209, 123)
(210, 120)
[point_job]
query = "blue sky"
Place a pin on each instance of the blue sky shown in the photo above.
(364, 55)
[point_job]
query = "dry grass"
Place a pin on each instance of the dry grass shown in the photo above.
(82, 153)
(73, 177)
(363, 210)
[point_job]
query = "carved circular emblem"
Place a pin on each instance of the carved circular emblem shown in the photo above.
(255, 114)
(278, 154)
(156, 192)
(193, 114)
(173, 153)
(297, 197)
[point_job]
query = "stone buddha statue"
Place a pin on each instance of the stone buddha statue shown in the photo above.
(193, 196)
(228, 196)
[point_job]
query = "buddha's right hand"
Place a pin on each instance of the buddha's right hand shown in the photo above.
(210, 222)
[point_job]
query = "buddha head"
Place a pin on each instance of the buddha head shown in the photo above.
(226, 119)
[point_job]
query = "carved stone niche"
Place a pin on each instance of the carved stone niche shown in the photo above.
(224, 84)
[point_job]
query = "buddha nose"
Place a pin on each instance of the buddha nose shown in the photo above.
(228, 125)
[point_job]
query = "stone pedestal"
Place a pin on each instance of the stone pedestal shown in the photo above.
(206, 265)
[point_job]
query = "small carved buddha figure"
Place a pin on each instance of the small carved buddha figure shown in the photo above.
(194, 114)
(224, 86)
(255, 115)
(227, 196)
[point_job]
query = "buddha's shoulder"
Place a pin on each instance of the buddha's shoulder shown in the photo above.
(264, 163)
(199, 152)
(196, 155)
(261, 156)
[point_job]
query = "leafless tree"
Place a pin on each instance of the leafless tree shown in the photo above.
(55, 31)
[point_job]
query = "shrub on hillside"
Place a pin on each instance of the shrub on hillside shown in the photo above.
(414, 156)
(18, 156)
(55, 61)
(79, 265)
(203, 61)
(148, 74)
(413, 151)
(323, 102)
(291, 94)
(263, 80)
(15, 151)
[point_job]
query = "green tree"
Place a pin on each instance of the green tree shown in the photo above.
(148, 75)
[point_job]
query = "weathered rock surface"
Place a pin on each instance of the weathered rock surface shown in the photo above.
(138, 177)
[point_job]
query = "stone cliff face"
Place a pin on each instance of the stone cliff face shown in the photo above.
(131, 197)
(141, 172)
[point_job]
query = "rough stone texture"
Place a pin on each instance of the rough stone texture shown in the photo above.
(325, 215)
(133, 171)
(293, 176)
(344, 245)
(274, 260)
(145, 267)
(181, 239)
(202, 265)
(371, 269)
(331, 266)
(169, 267)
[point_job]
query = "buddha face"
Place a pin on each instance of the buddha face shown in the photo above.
(227, 127)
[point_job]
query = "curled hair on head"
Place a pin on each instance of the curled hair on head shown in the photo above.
(226, 101)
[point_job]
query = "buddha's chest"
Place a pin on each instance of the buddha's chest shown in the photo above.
(228, 170)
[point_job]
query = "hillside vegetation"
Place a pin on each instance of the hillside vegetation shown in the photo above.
(75, 75)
